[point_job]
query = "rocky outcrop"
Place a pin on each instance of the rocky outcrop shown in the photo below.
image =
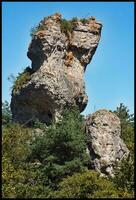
(60, 52)
(105, 147)
(59, 60)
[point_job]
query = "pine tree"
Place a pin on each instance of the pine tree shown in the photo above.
(6, 113)
(62, 148)
(127, 125)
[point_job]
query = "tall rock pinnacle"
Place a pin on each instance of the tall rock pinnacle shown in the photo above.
(60, 51)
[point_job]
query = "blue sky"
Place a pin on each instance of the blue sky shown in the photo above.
(109, 77)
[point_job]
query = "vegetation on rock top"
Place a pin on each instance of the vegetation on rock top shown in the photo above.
(20, 80)
(66, 25)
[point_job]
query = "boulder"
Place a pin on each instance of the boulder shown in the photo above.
(105, 146)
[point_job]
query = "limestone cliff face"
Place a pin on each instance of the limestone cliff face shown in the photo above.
(59, 61)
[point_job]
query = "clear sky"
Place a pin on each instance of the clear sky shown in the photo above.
(109, 77)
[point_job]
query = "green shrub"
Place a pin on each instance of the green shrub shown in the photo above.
(14, 153)
(86, 185)
(35, 29)
(124, 176)
(24, 181)
(15, 142)
(127, 126)
(74, 20)
(124, 171)
(6, 113)
(84, 20)
(38, 124)
(20, 179)
(41, 26)
(66, 26)
(21, 79)
(62, 148)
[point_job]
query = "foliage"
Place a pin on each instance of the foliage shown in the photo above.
(38, 124)
(6, 113)
(62, 149)
(66, 26)
(86, 185)
(41, 26)
(20, 179)
(21, 79)
(14, 153)
(54, 164)
(74, 20)
(124, 171)
(23, 182)
(123, 113)
(35, 29)
(84, 20)
(124, 177)
(127, 125)
(15, 141)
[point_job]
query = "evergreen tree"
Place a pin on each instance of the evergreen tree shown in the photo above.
(127, 125)
(62, 148)
(123, 113)
(6, 113)
(124, 177)
(124, 172)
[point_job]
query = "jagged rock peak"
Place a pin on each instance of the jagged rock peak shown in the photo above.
(105, 147)
(60, 51)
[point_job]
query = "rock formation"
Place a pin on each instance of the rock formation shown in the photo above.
(60, 52)
(59, 60)
(105, 146)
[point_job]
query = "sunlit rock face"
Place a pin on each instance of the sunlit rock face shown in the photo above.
(105, 146)
(59, 62)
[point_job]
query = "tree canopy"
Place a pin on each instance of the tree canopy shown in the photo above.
(51, 161)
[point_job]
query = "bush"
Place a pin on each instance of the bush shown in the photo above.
(74, 20)
(66, 26)
(41, 26)
(124, 171)
(6, 113)
(35, 29)
(23, 182)
(15, 143)
(54, 164)
(86, 185)
(14, 153)
(84, 20)
(62, 148)
(21, 79)
(124, 177)
(20, 179)
(127, 126)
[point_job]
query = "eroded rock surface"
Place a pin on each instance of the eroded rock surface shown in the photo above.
(59, 61)
(105, 146)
